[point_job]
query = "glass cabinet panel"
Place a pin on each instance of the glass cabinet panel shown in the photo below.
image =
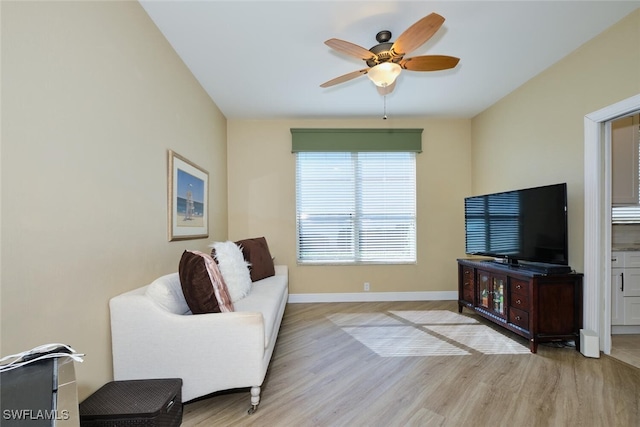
(499, 287)
(484, 289)
(491, 292)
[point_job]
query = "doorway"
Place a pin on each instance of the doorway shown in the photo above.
(597, 217)
(625, 239)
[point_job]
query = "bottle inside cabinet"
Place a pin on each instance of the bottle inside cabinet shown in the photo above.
(484, 288)
(498, 299)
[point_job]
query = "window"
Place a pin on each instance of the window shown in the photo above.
(627, 214)
(356, 207)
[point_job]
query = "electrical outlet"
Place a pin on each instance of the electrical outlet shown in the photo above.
(366, 286)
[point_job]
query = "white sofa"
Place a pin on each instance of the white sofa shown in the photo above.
(154, 335)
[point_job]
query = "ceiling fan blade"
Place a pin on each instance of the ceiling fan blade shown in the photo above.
(417, 34)
(349, 48)
(429, 63)
(387, 89)
(345, 77)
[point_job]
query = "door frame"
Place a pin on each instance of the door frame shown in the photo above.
(597, 217)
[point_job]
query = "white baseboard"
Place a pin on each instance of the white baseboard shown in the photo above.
(627, 329)
(375, 297)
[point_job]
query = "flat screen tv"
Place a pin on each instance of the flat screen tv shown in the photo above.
(521, 225)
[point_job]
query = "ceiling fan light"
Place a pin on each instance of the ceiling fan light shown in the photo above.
(384, 74)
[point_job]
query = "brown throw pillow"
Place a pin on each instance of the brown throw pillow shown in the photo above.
(202, 284)
(256, 253)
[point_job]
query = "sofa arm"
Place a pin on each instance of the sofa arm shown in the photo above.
(222, 348)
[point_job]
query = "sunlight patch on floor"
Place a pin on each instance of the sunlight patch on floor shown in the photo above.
(402, 341)
(434, 317)
(424, 333)
(480, 338)
(363, 319)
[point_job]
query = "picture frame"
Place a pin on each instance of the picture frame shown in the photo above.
(188, 204)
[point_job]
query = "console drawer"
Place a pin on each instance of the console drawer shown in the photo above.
(519, 287)
(519, 317)
(520, 301)
(632, 259)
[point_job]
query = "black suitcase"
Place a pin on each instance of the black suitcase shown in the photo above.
(134, 403)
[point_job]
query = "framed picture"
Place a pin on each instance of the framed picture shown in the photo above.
(188, 189)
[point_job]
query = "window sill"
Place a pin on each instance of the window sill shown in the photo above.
(351, 263)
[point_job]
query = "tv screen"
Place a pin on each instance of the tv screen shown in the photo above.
(520, 225)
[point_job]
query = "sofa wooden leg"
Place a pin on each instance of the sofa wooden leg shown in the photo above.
(255, 399)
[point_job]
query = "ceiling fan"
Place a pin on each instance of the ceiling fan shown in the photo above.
(387, 59)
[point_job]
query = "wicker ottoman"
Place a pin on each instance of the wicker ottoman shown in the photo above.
(143, 403)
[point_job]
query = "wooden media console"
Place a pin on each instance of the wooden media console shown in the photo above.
(537, 306)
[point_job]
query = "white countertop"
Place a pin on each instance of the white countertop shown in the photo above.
(625, 248)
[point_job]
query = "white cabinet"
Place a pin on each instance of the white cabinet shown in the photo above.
(617, 299)
(632, 311)
(625, 288)
(631, 282)
(624, 160)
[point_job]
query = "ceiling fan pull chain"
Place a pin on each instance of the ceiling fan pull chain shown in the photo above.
(384, 117)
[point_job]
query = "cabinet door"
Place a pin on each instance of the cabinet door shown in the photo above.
(484, 289)
(492, 290)
(499, 286)
(617, 297)
(631, 282)
(632, 310)
(624, 161)
(467, 284)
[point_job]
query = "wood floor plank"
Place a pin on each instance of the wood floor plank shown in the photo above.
(626, 348)
(327, 370)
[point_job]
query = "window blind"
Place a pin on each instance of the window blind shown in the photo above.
(356, 207)
(493, 224)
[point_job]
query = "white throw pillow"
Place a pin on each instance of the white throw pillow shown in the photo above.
(167, 292)
(234, 269)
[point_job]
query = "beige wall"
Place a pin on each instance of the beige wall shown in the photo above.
(262, 203)
(535, 135)
(92, 98)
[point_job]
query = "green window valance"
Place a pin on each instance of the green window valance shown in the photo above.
(350, 140)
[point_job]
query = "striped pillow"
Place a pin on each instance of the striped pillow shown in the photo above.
(202, 284)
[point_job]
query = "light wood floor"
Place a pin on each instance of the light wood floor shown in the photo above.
(626, 348)
(422, 364)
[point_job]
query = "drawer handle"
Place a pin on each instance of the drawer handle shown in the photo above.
(518, 301)
(518, 318)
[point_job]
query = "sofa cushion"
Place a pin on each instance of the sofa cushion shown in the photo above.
(202, 283)
(256, 253)
(166, 291)
(234, 269)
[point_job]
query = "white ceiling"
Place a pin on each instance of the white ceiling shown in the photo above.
(267, 59)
